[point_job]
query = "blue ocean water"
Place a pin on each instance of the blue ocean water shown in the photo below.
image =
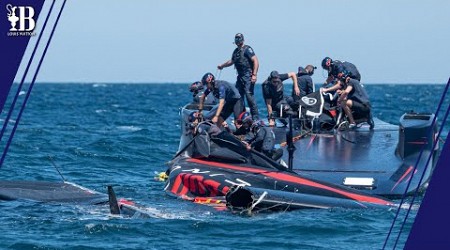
(122, 134)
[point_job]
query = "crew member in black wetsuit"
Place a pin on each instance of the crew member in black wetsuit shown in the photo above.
(197, 90)
(255, 135)
(304, 81)
(273, 94)
(305, 85)
(337, 69)
(263, 141)
(228, 96)
(246, 64)
(355, 102)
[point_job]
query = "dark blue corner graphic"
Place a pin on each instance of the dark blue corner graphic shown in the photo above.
(432, 223)
(431, 134)
(12, 106)
(33, 81)
(13, 42)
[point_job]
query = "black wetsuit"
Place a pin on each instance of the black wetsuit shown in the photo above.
(305, 84)
(224, 90)
(339, 68)
(244, 66)
(264, 141)
(274, 89)
(361, 104)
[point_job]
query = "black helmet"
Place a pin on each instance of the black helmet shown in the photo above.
(244, 118)
(324, 62)
(208, 78)
(238, 38)
(193, 116)
(196, 87)
(256, 126)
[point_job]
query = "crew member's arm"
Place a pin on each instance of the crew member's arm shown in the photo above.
(332, 88)
(343, 94)
(269, 111)
(328, 80)
(201, 101)
(269, 106)
(293, 76)
(225, 64)
(219, 110)
(255, 68)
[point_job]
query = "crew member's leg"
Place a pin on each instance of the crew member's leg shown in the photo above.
(346, 106)
(238, 108)
(361, 113)
(226, 112)
(240, 85)
(293, 102)
(248, 92)
(283, 110)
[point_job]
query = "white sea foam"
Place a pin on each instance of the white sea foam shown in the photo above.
(407, 205)
(129, 128)
(99, 85)
(98, 111)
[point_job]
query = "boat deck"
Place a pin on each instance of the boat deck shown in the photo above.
(360, 150)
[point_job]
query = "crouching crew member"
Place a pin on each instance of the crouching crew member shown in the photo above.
(228, 96)
(304, 81)
(337, 69)
(273, 94)
(355, 102)
(305, 85)
(263, 141)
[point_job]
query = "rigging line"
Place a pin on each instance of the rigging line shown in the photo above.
(56, 167)
(31, 86)
(422, 176)
(13, 104)
(347, 140)
(415, 166)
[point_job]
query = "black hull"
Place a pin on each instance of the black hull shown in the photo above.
(260, 199)
(191, 178)
(382, 161)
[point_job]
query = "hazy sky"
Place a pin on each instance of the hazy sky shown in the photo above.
(178, 41)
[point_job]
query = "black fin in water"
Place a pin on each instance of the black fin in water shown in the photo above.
(113, 205)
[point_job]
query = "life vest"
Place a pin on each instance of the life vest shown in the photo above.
(241, 62)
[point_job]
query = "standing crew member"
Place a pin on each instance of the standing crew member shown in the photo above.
(228, 96)
(246, 64)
